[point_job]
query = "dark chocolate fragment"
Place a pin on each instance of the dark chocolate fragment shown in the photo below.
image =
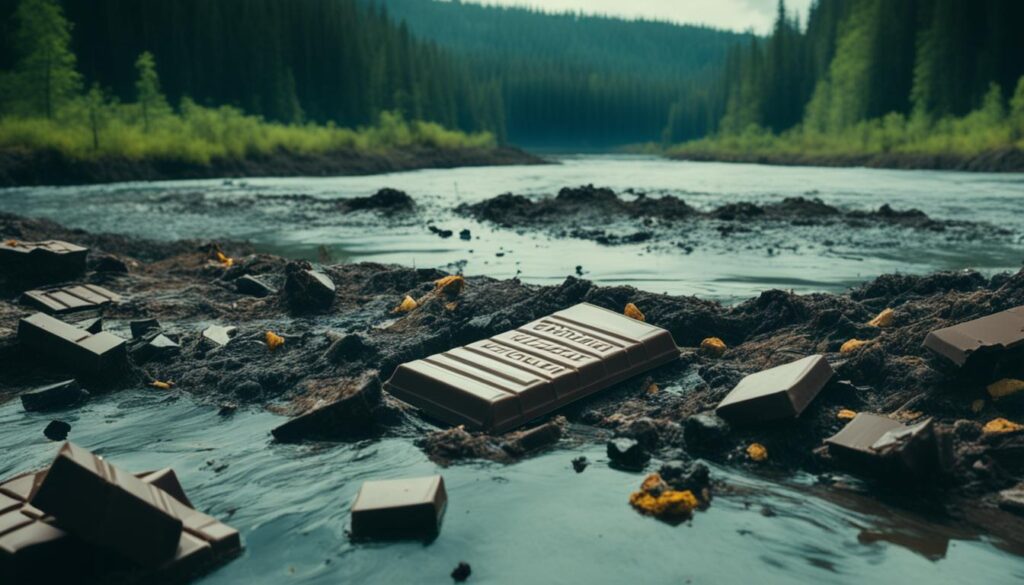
(872, 444)
(250, 285)
(985, 336)
(308, 291)
(779, 393)
(109, 508)
(41, 262)
(166, 480)
(352, 415)
(59, 395)
(92, 325)
(91, 354)
(399, 508)
(627, 454)
(503, 382)
(219, 335)
(158, 347)
(143, 326)
(70, 299)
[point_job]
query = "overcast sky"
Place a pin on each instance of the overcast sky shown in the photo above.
(732, 14)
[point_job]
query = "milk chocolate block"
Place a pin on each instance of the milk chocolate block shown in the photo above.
(70, 299)
(780, 393)
(987, 335)
(109, 508)
(399, 508)
(99, 353)
(166, 480)
(33, 551)
(500, 383)
(877, 445)
(45, 261)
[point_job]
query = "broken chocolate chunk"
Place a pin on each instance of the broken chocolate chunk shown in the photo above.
(219, 335)
(967, 342)
(143, 326)
(352, 415)
(876, 445)
(59, 395)
(42, 262)
(308, 291)
(399, 508)
(70, 299)
(91, 354)
(252, 286)
(627, 454)
(779, 393)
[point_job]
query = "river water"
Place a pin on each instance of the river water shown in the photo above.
(537, 520)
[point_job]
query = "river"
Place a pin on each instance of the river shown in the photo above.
(537, 520)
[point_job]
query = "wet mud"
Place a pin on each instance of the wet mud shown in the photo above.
(340, 350)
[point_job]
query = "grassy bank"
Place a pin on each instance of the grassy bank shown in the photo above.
(991, 138)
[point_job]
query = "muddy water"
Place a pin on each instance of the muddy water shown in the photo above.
(535, 521)
(804, 259)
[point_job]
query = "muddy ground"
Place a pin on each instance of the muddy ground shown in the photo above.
(666, 220)
(336, 353)
(1003, 160)
(20, 168)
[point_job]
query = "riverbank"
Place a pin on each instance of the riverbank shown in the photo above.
(1005, 160)
(330, 353)
(23, 167)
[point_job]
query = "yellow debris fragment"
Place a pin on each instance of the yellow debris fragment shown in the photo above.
(757, 452)
(853, 345)
(846, 414)
(162, 385)
(274, 340)
(450, 285)
(1005, 387)
(451, 306)
(652, 389)
(656, 498)
(977, 406)
(713, 346)
(407, 304)
(1001, 425)
(632, 311)
(225, 260)
(12, 243)
(884, 319)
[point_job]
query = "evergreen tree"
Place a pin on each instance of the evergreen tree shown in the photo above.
(45, 75)
(152, 103)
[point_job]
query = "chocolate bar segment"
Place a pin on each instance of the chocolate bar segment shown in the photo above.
(104, 506)
(79, 350)
(503, 382)
(992, 334)
(40, 262)
(780, 393)
(70, 299)
(877, 445)
(399, 508)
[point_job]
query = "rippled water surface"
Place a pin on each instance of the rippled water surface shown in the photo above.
(536, 521)
(773, 259)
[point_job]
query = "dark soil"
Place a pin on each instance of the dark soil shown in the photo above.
(27, 168)
(640, 218)
(328, 354)
(1006, 160)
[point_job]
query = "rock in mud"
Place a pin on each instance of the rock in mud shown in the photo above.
(306, 290)
(579, 464)
(627, 454)
(386, 200)
(57, 430)
(55, 396)
(705, 432)
(1013, 499)
(545, 435)
(110, 264)
(695, 477)
(462, 572)
(253, 286)
(143, 326)
(155, 347)
(352, 415)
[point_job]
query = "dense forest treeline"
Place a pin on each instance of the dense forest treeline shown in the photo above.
(873, 77)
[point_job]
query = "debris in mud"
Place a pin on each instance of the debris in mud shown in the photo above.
(1013, 499)
(57, 430)
(883, 319)
(465, 235)
(462, 572)
(351, 412)
(99, 354)
(656, 498)
(882, 447)
(987, 336)
(70, 299)
(55, 396)
(385, 200)
(443, 233)
(248, 284)
(407, 304)
(627, 454)
(852, 345)
(705, 432)
(306, 290)
(154, 346)
(998, 426)
(273, 340)
(782, 392)
(579, 464)
(141, 327)
(846, 414)
(450, 286)
(1006, 388)
(713, 347)
(695, 477)
(41, 262)
(757, 452)
(220, 335)
(521, 442)
(399, 508)
(633, 312)
(162, 385)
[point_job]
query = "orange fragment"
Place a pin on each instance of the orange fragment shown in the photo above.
(450, 285)
(884, 319)
(1001, 425)
(652, 389)
(757, 452)
(656, 498)
(407, 304)
(1005, 387)
(632, 311)
(162, 385)
(274, 340)
(12, 243)
(225, 260)
(713, 346)
(853, 345)
(846, 414)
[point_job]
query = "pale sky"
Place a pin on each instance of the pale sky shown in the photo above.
(732, 14)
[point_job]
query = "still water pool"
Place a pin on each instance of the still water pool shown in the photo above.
(536, 521)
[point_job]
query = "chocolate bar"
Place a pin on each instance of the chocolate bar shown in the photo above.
(878, 445)
(503, 382)
(988, 335)
(102, 505)
(45, 261)
(779, 393)
(399, 508)
(70, 299)
(79, 350)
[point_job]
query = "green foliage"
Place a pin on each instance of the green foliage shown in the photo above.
(152, 103)
(44, 78)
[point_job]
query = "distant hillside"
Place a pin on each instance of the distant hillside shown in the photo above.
(571, 80)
